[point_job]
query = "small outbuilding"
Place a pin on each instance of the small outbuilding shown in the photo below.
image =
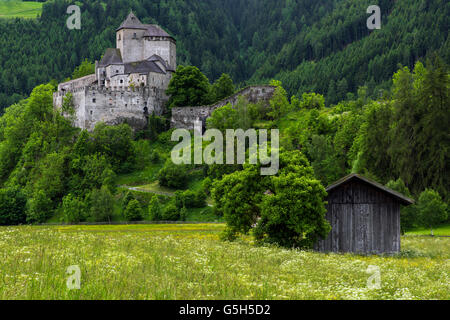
(364, 217)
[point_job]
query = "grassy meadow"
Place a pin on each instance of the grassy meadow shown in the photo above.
(190, 262)
(443, 230)
(20, 9)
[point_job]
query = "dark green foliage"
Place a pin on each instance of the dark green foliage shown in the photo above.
(39, 208)
(309, 45)
(294, 216)
(222, 88)
(116, 143)
(188, 87)
(68, 106)
(171, 212)
(183, 214)
(154, 209)
(323, 159)
(126, 200)
(374, 140)
(190, 199)
(431, 209)
(173, 176)
(420, 145)
(74, 209)
(12, 206)
(102, 205)
(84, 69)
(409, 215)
(133, 211)
(279, 104)
(312, 101)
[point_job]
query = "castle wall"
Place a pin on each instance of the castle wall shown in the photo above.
(131, 48)
(163, 47)
(113, 70)
(184, 117)
(77, 83)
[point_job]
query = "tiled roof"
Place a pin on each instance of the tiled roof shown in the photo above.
(131, 22)
(142, 67)
(111, 56)
(151, 30)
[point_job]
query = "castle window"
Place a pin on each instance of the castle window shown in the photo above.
(134, 36)
(121, 81)
(117, 71)
(93, 100)
(119, 37)
(91, 112)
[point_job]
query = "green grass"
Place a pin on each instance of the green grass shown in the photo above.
(19, 9)
(189, 262)
(154, 187)
(443, 230)
(140, 177)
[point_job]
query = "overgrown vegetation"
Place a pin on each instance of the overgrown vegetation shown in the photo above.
(321, 46)
(57, 173)
(128, 262)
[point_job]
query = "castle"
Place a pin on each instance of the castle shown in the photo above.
(130, 81)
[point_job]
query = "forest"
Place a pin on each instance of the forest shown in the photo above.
(347, 100)
(318, 46)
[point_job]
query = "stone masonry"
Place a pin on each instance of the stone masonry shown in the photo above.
(129, 82)
(185, 117)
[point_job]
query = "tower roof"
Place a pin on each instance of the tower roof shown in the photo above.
(151, 30)
(131, 22)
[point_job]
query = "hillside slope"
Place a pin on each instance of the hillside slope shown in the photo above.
(321, 45)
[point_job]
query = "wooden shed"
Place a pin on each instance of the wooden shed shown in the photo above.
(364, 216)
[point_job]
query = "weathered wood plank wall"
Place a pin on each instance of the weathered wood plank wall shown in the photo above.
(364, 219)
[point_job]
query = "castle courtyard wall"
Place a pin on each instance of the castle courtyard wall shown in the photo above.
(185, 117)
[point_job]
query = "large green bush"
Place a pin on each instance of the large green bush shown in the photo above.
(173, 176)
(12, 206)
(287, 209)
(102, 205)
(74, 209)
(154, 209)
(294, 216)
(171, 212)
(133, 211)
(432, 210)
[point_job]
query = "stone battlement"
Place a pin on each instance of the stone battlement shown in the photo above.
(184, 117)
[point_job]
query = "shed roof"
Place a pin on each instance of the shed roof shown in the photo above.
(403, 199)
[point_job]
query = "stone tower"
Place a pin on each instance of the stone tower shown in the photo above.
(137, 41)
